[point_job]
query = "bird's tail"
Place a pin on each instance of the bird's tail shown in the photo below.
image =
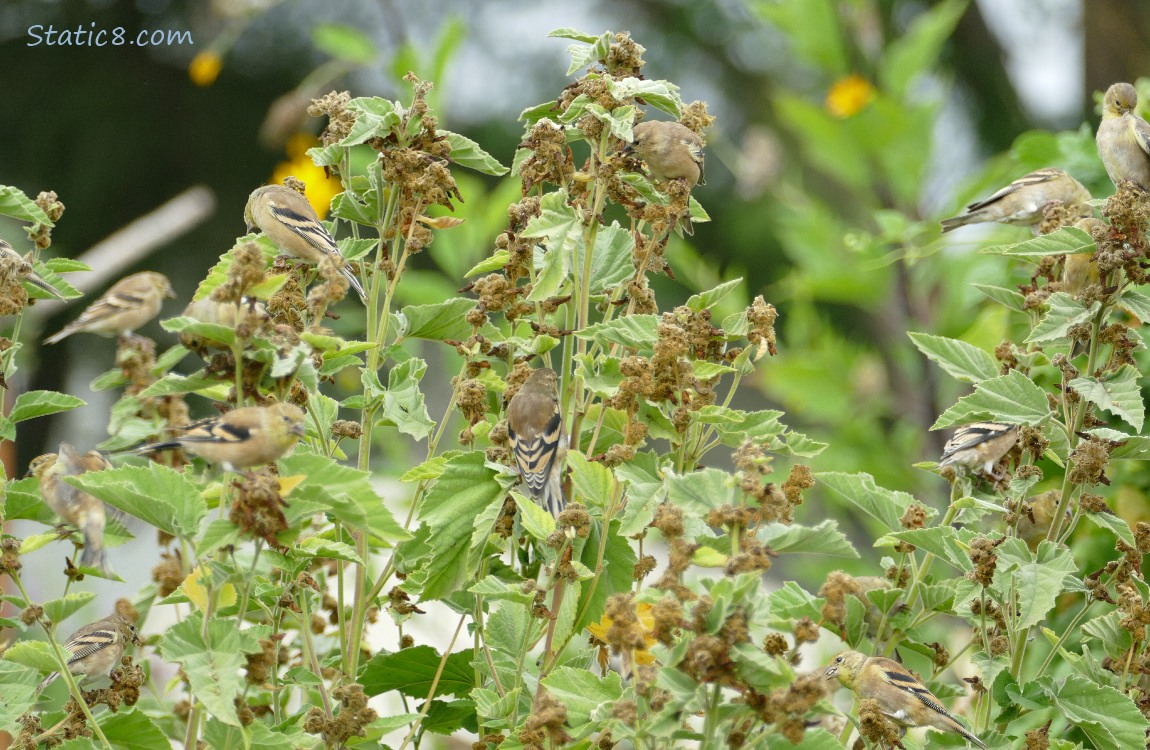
(147, 450)
(94, 554)
(953, 222)
(355, 282)
(954, 725)
(969, 737)
(47, 681)
(552, 497)
(60, 335)
(44, 285)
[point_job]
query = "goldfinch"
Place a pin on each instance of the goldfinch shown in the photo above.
(1079, 269)
(287, 218)
(1123, 138)
(671, 151)
(73, 505)
(1021, 202)
(96, 649)
(535, 427)
(979, 446)
(242, 438)
(900, 695)
(12, 263)
(130, 303)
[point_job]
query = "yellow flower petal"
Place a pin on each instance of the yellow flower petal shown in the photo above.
(205, 68)
(848, 96)
(198, 595)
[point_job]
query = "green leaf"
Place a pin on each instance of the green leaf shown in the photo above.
(611, 261)
(700, 491)
(342, 491)
(940, 541)
(133, 730)
(962, 361)
(374, 118)
(1062, 312)
(59, 610)
(34, 404)
(439, 321)
(536, 521)
(592, 481)
(1037, 579)
(1008, 298)
(582, 692)
(1119, 394)
(1113, 524)
(17, 688)
(212, 656)
(448, 717)
(1067, 240)
(662, 95)
(707, 300)
(587, 54)
(467, 153)
(14, 203)
(761, 671)
(154, 493)
(861, 492)
(1012, 398)
(344, 43)
(1135, 302)
(1107, 716)
(412, 670)
(635, 331)
(455, 524)
(403, 403)
(35, 654)
(824, 539)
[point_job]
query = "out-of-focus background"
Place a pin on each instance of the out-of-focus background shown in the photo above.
(845, 130)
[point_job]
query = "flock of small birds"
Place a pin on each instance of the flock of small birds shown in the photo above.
(254, 435)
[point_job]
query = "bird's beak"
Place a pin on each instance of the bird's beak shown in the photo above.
(170, 293)
(249, 226)
(298, 430)
(830, 673)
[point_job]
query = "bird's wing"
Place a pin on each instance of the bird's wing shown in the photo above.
(911, 685)
(307, 228)
(214, 430)
(1034, 178)
(1142, 134)
(971, 435)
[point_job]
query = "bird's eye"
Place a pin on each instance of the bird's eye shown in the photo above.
(838, 660)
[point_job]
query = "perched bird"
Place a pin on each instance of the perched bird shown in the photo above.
(671, 150)
(11, 261)
(1036, 516)
(249, 315)
(1123, 137)
(900, 695)
(71, 504)
(287, 218)
(1021, 202)
(1079, 269)
(242, 438)
(979, 446)
(96, 649)
(130, 303)
(535, 426)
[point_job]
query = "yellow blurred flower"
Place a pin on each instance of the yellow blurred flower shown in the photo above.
(848, 96)
(320, 188)
(205, 68)
(640, 655)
